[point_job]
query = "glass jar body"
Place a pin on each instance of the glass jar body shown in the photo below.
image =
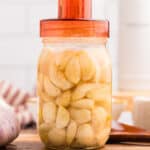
(74, 88)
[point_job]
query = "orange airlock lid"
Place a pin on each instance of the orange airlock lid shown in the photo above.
(74, 20)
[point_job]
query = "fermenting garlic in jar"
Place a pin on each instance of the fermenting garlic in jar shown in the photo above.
(74, 80)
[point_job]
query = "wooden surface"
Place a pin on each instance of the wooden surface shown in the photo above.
(30, 141)
(121, 132)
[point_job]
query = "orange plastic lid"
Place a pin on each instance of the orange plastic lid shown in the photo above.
(74, 20)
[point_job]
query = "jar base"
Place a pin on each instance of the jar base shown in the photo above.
(73, 148)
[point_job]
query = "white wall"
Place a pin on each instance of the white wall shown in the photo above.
(134, 45)
(19, 36)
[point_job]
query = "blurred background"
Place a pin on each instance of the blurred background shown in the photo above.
(20, 44)
(129, 46)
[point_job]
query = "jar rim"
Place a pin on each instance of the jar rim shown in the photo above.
(93, 40)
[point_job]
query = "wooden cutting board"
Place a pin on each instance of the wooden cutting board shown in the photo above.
(125, 133)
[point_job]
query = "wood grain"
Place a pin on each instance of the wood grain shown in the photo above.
(121, 133)
(29, 140)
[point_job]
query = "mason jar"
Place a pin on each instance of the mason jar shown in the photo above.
(74, 85)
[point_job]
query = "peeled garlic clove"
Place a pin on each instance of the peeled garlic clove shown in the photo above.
(80, 115)
(49, 112)
(72, 70)
(106, 104)
(62, 118)
(44, 128)
(63, 58)
(64, 99)
(103, 136)
(95, 59)
(85, 135)
(45, 98)
(99, 118)
(39, 83)
(87, 66)
(40, 89)
(83, 103)
(71, 132)
(44, 61)
(44, 137)
(58, 78)
(81, 90)
(106, 73)
(50, 89)
(99, 93)
(57, 136)
(40, 115)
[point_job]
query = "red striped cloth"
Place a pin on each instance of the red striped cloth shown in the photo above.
(17, 98)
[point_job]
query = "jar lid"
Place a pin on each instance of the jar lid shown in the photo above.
(74, 20)
(74, 28)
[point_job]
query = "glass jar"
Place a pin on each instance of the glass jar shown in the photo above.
(74, 88)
